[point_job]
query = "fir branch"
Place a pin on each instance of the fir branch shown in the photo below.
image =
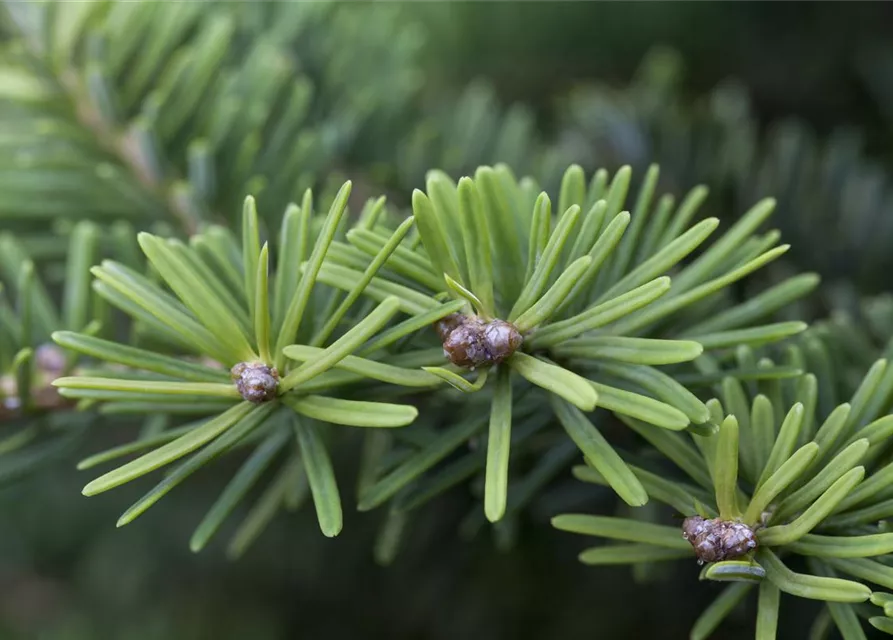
(249, 385)
(588, 320)
(787, 499)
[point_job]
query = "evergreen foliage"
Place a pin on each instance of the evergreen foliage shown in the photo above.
(149, 112)
(806, 481)
(595, 305)
(503, 315)
(242, 323)
(41, 427)
(834, 200)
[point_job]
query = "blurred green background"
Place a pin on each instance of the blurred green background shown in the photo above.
(67, 573)
(804, 59)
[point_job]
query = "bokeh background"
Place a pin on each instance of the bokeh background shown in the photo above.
(787, 99)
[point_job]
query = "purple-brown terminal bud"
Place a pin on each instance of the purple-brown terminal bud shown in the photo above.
(256, 381)
(717, 540)
(464, 344)
(470, 342)
(445, 325)
(693, 526)
(502, 339)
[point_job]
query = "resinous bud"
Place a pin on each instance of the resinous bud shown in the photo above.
(471, 342)
(718, 540)
(256, 381)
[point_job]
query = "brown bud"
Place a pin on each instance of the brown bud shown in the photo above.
(470, 342)
(445, 325)
(465, 346)
(693, 526)
(717, 540)
(502, 340)
(256, 381)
